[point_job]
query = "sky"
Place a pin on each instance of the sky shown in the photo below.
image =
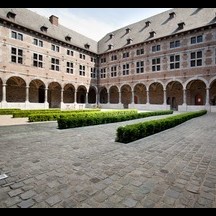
(95, 23)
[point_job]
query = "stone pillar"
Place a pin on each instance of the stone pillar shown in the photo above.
(75, 96)
(27, 94)
(86, 97)
(132, 100)
(62, 95)
(185, 97)
(96, 98)
(108, 97)
(207, 97)
(147, 99)
(120, 98)
(165, 98)
(4, 93)
(46, 99)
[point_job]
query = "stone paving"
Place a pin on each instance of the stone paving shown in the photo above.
(84, 167)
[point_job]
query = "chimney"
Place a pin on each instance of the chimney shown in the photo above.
(54, 20)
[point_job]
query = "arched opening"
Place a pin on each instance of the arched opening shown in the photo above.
(174, 91)
(36, 91)
(1, 86)
(156, 93)
(103, 96)
(81, 94)
(126, 95)
(54, 95)
(140, 94)
(114, 95)
(92, 95)
(69, 92)
(213, 93)
(16, 90)
(196, 93)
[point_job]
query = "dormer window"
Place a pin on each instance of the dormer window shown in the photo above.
(152, 34)
(129, 40)
(68, 38)
(11, 15)
(44, 28)
(110, 46)
(147, 23)
(172, 15)
(128, 30)
(87, 46)
(181, 25)
(111, 36)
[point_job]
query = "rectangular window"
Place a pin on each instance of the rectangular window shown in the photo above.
(174, 62)
(37, 42)
(16, 55)
(37, 60)
(103, 60)
(69, 67)
(113, 57)
(156, 48)
(156, 64)
(197, 39)
(103, 73)
(93, 59)
(55, 64)
(70, 52)
(196, 59)
(140, 67)
(126, 55)
(114, 71)
(175, 44)
(82, 70)
(140, 52)
(126, 69)
(93, 73)
(16, 35)
(55, 48)
(82, 56)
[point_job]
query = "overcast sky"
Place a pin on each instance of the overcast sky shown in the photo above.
(95, 23)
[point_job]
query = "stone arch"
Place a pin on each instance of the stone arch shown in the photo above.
(212, 92)
(92, 95)
(16, 89)
(1, 87)
(196, 92)
(195, 79)
(54, 95)
(114, 94)
(37, 91)
(81, 94)
(140, 94)
(174, 93)
(69, 93)
(156, 93)
(158, 81)
(126, 95)
(103, 95)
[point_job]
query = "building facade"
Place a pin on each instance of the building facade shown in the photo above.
(167, 61)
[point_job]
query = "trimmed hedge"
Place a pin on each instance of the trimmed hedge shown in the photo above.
(104, 118)
(134, 132)
(8, 111)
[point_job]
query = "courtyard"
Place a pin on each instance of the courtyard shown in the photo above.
(85, 167)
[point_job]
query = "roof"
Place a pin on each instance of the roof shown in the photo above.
(162, 24)
(33, 21)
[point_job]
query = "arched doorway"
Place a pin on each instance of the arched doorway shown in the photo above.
(1, 86)
(16, 90)
(140, 94)
(114, 95)
(36, 91)
(213, 93)
(92, 95)
(81, 94)
(156, 93)
(103, 95)
(126, 95)
(174, 91)
(69, 92)
(196, 93)
(54, 95)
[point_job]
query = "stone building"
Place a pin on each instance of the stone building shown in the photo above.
(167, 61)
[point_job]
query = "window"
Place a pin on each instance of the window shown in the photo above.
(37, 60)
(82, 70)
(196, 59)
(82, 56)
(37, 42)
(70, 52)
(69, 67)
(55, 64)
(114, 71)
(174, 62)
(140, 52)
(93, 59)
(93, 73)
(140, 67)
(16, 35)
(198, 39)
(113, 57)
(156, 64)
(103, 73)
(16, 55)
(103, 60)
(174, 44)
(55, 48)
(156, 48)
(126, 55)
(126, 68)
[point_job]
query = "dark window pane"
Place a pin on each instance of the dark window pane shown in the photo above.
(13, 59)
(200, 39)
(177, 57)
(199, 54)
(34, 56)
(171, 66)
(193, 55)
(199, 62)
(14, 35)
(13, 51)
(158, 67)
(171, 58)
(177, 65)
(20, 52)
(193, 40)
(193, 63)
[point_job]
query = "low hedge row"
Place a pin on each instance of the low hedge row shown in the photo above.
(134, 132)
(8, 111)
(104, 118)
(80, 113)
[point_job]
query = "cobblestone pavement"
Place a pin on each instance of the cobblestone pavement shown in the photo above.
(84, 167)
